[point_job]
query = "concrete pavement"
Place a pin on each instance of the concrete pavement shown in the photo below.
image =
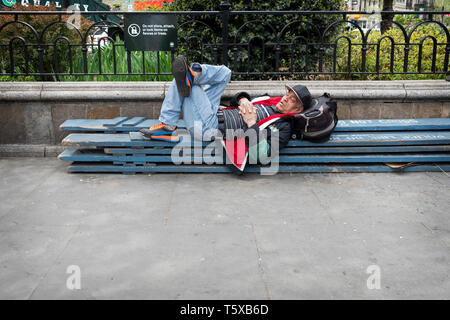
(218, 236)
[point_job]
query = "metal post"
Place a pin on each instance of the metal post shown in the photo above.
(85, 61)
(446, 58)
(225, 12)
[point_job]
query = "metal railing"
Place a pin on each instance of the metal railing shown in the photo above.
(254, 44)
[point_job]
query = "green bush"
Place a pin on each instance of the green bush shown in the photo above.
(5, 78)
(107, 64)
(266, 29)
(38, 22)
(384, 64)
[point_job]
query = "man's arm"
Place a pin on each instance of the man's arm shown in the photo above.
(261, 146)
(247, 111)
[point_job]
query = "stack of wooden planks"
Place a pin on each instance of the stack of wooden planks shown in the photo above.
(381, 145)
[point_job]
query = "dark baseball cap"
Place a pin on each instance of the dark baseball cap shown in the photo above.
(302, 94)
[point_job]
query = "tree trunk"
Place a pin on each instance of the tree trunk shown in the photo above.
(386, 19)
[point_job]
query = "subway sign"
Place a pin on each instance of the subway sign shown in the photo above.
(8, 3)
(77, 5)
(27, 3)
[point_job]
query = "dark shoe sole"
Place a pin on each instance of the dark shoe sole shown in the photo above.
(144, 135)
(149, 133)
(166, 138)
(163, 133)
(179, 71)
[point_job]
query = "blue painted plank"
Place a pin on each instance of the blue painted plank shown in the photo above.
(132, 122)
(119, 140)
(136, 151)
(363, 158)
(393, 124)
(423, 124)
(373, 149)
(297, 150)
(337, 139)
(99, 156)
(130, 164)
(84, 125)
(137, 136)
(151, 122)
(382, 138)
(225, 169)
(89, 155)
(116, 121)
(105, 125)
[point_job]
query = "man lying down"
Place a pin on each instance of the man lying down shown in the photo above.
(246, 129)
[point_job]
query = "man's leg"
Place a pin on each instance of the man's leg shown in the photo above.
(173, 101)
(199, 113)
(170, 113)
(171, 106)
(215, 79)
(200, 108)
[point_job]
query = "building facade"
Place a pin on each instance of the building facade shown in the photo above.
(368, 21)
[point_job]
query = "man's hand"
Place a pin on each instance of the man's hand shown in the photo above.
(248, 112)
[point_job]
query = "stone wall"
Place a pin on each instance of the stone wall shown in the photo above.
(30, 113)
(38, 122)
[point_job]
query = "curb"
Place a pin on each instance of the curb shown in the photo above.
(398, 90)
(30, 150)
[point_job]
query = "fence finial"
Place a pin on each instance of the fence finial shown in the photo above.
(225, 5)
(225, 8)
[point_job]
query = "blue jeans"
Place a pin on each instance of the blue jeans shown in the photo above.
(200, 108)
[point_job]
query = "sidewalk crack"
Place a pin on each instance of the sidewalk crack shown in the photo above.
(434, 234)
(44, 276)
(260, 265)
(169, 207)
(324, 206)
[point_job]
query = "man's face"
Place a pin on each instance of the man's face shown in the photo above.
(289, 103)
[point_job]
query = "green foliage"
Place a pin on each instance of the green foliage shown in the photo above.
(250, 31)
(30, 36)
(297, 43)
(57, 59)
(268, 5)
(407, 20)
(5, 78)
(106, 55)
(384, 64)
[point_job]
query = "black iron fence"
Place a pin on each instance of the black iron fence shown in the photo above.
(254, 44)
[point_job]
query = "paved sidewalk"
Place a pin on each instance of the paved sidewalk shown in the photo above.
(218, 236)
